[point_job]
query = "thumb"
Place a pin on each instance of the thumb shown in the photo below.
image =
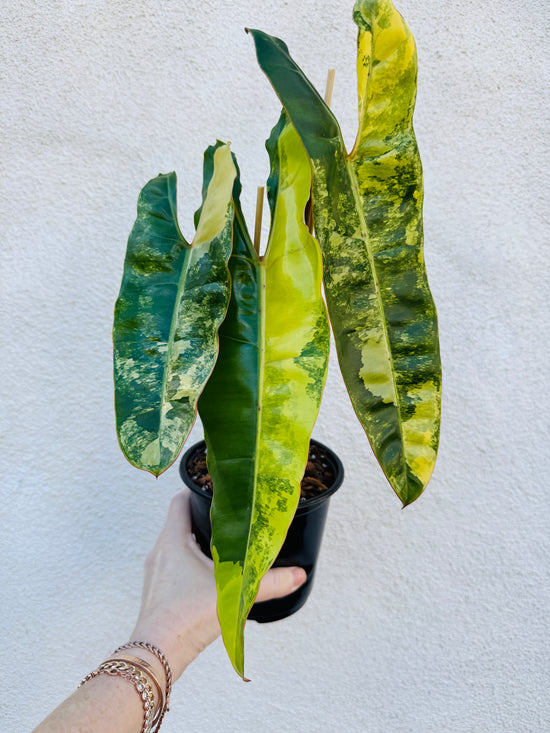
(279, 582)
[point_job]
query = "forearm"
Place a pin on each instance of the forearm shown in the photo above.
(105, 704)
(108, 703)
(177, 616)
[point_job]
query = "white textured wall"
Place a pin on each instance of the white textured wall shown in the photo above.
(425, 620)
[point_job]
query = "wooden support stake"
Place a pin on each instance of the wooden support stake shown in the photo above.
(330, 86)
(328, 99)
(259, 212)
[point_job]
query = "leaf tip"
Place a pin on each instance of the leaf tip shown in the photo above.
(411, 496)
(156, 472)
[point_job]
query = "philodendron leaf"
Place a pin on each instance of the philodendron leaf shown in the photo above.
(368, 219)
(172, 300)
(260, 404)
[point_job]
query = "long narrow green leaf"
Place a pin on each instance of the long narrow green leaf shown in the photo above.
(172, 300)
(368, 218)
(260, 404)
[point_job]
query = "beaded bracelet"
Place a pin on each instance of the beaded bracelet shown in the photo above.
(167, 671)
(141, 674)
(147, 669)
(118, 668)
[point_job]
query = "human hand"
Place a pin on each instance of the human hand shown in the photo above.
(178, 606)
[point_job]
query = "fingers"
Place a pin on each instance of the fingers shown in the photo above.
(178, 528)
(279, 582)
(178, 522)
(193, 546)
(276, 583)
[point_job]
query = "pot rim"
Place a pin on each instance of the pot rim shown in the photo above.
(302, 506)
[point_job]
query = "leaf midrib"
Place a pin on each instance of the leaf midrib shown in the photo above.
(359, 206)
(171, 337)
(366, 240)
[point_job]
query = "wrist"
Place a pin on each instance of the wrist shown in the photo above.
(180, 640)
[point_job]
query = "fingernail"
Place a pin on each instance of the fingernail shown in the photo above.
(298, 577)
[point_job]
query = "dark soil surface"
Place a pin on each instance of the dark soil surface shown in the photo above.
(318, 477)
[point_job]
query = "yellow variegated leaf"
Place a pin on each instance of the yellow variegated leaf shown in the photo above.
(368, 219)
(172, 300)
(259, 406)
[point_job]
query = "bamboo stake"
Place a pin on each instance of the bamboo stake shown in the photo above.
(328, 99)
(258, 224)
(330, 86)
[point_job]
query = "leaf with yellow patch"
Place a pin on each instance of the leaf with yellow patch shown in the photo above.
(260, 404)
(172, 300)
(368, 218)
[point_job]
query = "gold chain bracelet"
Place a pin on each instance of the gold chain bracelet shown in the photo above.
(140, 673)
(147, 669)
(167, 671)
(118, 668)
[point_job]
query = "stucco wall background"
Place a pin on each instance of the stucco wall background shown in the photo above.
(425, 620)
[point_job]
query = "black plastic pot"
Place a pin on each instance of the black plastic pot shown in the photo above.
(302, 543)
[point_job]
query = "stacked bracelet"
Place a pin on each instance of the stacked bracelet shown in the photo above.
(167, 671)
(119, 668)
(140, 673)
(147, 669)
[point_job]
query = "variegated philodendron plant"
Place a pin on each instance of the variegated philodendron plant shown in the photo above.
(245, 338)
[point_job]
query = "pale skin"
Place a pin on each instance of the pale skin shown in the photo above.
(178, 615)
